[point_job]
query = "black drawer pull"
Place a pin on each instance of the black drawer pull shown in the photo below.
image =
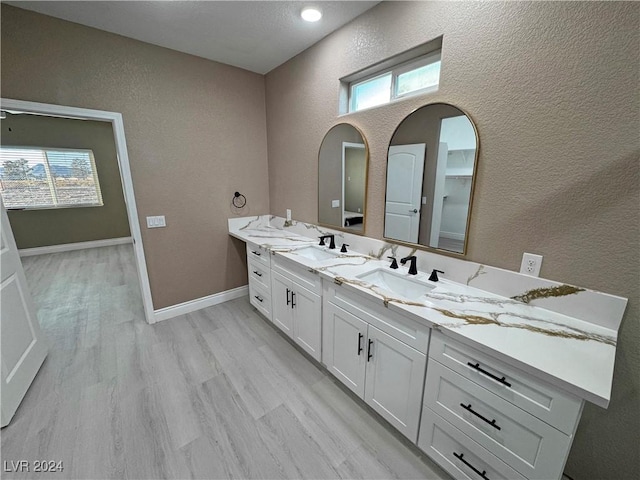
(293, 297)
(461, 458)
(257, 273)
(488, 374)
(255, 253)
(492, 422)
(369, 354)
(360, 337)
(288, 301)
(258, 298)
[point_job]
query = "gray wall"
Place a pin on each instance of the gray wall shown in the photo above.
(38, 228)
(195, 133)
(553, 90)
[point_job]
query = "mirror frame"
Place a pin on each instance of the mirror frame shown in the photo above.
(366, 183)
(419, 246)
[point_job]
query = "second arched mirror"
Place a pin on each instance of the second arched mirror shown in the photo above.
(431, 165)
(342, 179)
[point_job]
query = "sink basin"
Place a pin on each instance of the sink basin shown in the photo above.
(316, 253)
(396, 284)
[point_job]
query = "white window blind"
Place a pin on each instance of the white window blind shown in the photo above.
(35, 178)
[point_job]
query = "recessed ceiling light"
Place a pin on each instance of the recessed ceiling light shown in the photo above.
(311, 14)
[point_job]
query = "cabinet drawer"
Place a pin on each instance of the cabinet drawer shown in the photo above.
(259, 254)
(260, 299)
(524, 442)
(457, 453)
(297, 274)
(559, 409)
(259, 274)
(398, 326)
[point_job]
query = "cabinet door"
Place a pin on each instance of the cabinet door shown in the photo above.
(282, 313)
(307, 320)
(395, 378)
(344, 347)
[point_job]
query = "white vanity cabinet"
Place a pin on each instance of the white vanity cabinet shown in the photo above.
(365, 347)
(297, 305)
(481, 415)
(259, 273)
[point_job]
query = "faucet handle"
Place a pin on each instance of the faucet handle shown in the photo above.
(394, 263)
(344, 248)
(322, 241)
(434, 275)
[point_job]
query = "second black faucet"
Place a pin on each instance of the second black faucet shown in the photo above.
(331, 237)
(413, 270)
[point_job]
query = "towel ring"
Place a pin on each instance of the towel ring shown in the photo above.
(239, 200)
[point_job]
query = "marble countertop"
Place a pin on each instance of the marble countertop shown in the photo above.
(570, 353)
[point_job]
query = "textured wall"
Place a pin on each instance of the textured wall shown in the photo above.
(195, 133)
(553, 89)
(37, 228)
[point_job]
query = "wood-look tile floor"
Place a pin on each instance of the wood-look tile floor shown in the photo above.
(218, 393)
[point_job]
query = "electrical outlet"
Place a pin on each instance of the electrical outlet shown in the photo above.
(288, 214)
(335, 203)
(531, 264)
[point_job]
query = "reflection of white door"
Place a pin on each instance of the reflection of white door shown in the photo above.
(438, 194)
(23, 347)
(345, 181)
(405, 166)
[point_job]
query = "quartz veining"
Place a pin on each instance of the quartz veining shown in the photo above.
(575, 354)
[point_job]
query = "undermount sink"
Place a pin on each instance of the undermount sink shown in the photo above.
(396, 284)
(316, 253)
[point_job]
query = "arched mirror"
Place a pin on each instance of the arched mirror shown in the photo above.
(431, 165)
(342, 179)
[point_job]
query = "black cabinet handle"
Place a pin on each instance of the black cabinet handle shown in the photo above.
(257, 273)
(369, 354)
(288, 301)
(360, 337)
(460, 457)
(477, 367)
(255, 253)
(469, 409)
(258, 298)
(293, 296)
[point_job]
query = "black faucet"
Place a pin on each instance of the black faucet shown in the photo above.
(394, 263)
(344, 248)
(434, 275)
(412, 268)
(331, 237)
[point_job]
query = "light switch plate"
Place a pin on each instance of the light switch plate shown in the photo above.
(156, 222)
(335, 203)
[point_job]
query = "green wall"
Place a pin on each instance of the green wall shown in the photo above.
(39, 228)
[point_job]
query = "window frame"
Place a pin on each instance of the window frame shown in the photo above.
(395, 71)
(51, 183)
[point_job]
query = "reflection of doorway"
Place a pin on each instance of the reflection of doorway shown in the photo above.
(115, 119)
(454, 171)
(353, 184)
(405, 166)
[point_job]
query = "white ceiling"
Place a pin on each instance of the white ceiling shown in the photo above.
(254, 35)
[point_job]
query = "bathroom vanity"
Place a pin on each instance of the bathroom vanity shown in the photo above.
(489, 386)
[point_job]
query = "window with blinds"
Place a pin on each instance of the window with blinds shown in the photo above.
(36, 178)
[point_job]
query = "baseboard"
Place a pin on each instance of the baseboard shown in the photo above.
(67, 247)
(452, 235)
(199, 303)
